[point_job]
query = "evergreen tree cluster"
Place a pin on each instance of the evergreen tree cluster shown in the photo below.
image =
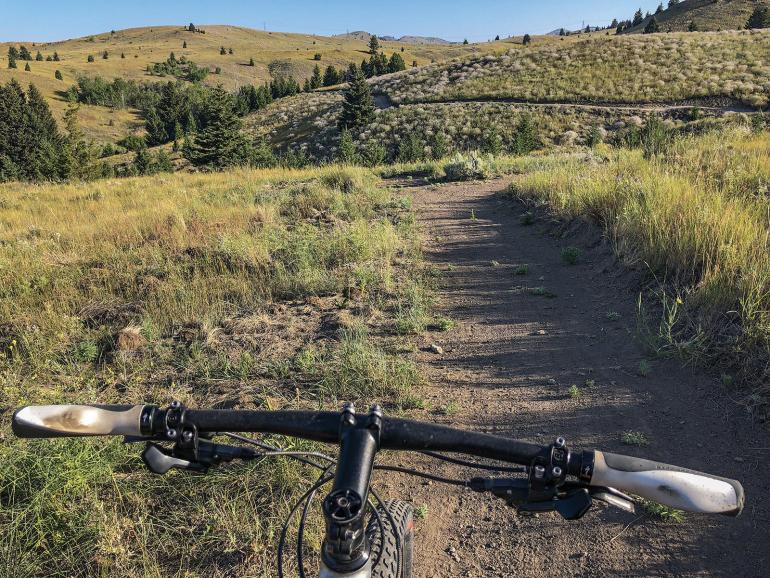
(760, 18)
(379, 64)
(31, 146)
(179, 68)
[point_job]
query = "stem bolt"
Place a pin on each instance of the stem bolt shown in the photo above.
(171, 433)
(557, 472)
(560, 442)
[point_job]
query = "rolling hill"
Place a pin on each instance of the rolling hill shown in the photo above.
(129, 52)
(570, 86)
(708, 15)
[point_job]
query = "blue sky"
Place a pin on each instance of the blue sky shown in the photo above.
(477, 20)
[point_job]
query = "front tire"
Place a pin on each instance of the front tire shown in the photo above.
(392, 541)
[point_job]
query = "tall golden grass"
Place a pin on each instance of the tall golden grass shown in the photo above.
(698, 217)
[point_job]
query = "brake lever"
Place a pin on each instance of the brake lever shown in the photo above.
(160, 460)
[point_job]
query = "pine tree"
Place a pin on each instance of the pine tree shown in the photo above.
(90, 58)
(614, 23)
(184, 44)
(251, 62)
(652, 26)
(497, 38)
(638, 18)
(358, 107)
(672, 3)
(346, 153)
(222, 51)
(526, 40)
(191, 27)
(692, 27)
(439, 146)
(24, 53)
(57, 75)
(11, 61)
(317, 56)
(56, 57)
(465, 42)
(374, 45)
(13, 52)
(39, 57)
(331, 76)
(396, 63)
(123, 55)
(316, 80)
(27, 67)
(220, 143)
(760, 18)
(230, 51)
(105, 55)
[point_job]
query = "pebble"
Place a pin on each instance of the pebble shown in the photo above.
(437, 349)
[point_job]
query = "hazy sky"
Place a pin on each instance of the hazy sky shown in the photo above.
(477, 20)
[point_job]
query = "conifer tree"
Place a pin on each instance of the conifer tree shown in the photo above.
(465, 41)
(184, 44)
(346, 153)
(672, 3)
(27, 67)
(331, 76)
(760, 18)
(497, 38)
(396, 63)
(251, 62)
(316, 80)
(90, 58)
(11, 61)
(123, 55)
(526, 40)
(693, 27)
(24, 53)
(220, 143)
(652, 26)
(57, 75)
(374, 45)
(638, 18)
(39, 57)
(358, 107)
(56, 57)
(105, 55)
(222, 51)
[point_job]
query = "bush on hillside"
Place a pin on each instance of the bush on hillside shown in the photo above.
(467, 167)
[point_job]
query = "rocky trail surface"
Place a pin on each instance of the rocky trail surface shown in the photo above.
(524, 337)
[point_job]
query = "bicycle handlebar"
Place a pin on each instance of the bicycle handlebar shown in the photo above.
(670, 485)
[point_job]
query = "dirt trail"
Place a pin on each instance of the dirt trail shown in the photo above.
(507, 368)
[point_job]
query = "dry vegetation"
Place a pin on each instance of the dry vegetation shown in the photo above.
(697, 215)
(250, 289)
(291, 54)
(649, 68)
(708, 15)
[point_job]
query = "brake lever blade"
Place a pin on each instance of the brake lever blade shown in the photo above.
(614, 498)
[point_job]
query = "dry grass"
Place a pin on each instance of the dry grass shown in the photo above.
(251, 288)
(291, 53)
(591, 68)
(698, 218)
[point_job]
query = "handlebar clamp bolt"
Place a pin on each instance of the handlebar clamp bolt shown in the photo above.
(557, 472)
(171, 433)
(176, 404)
(560, 442)
(187, 436)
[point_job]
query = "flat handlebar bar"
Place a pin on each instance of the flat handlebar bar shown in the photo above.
(670, 485)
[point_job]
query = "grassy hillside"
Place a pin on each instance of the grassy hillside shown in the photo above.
(288, 54)
(708, 15)
(649, 68)
(249, 288)
(468, 101)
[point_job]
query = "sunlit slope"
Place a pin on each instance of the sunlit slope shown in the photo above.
(130, 51)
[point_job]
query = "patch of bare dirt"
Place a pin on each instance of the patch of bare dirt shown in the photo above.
(521, 341)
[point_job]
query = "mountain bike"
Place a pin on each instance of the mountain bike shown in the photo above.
(368, 540)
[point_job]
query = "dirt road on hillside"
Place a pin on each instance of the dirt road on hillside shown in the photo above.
(507, 368)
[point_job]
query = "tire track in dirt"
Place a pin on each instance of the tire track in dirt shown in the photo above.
(507, 368)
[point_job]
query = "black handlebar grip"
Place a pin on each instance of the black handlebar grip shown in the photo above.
(672, 486)
(48, 421)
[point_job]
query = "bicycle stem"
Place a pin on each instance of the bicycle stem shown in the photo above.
(346, 550)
